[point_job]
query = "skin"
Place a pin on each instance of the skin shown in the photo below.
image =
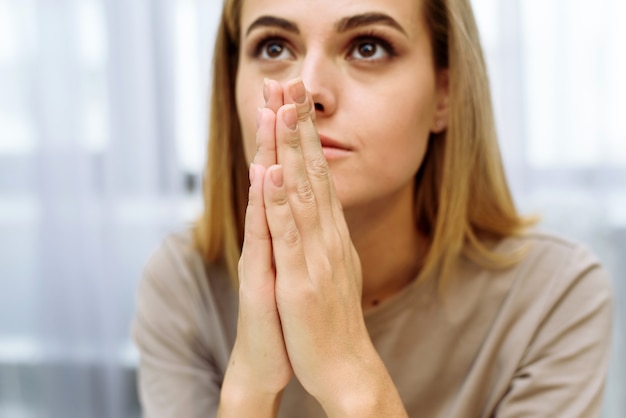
(319, 211)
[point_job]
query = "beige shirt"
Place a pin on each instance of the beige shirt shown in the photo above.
(529, 341)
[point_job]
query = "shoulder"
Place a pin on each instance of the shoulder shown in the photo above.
(557, 317)
(178, 286)
(556, 274)
(544, 261)
(174, 272)
(185, 300)
(547, 249)
(554, 261)
(177, 267)
(183, 327)
(175, 254)
(553, 274)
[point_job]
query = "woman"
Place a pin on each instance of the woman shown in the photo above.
(360, 254)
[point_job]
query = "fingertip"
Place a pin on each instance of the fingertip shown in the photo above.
(274, 193)
(265, 139)
(289, 116)
(257, 172)
(297, 91)
(261, 112)
(276, 175)
(301, 97)
(274, 99)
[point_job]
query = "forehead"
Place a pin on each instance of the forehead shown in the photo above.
(315, 14)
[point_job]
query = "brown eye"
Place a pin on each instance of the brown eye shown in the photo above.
(274, 50)
(371, 49)
(367, 50)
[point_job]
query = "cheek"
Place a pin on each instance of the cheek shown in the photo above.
(399, 134)
(249, 141)
(248, 101)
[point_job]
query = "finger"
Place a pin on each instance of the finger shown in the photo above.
(299, 96)
(273, 94)
(255, 266)
(317, 167)
(319, 232)
(299, 189)
(266, 138)
(288, 98)
(287, 242)
(313, 155)
(312, 110)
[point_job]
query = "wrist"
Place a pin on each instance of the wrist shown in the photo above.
(246, 374)
(239, 401)
(363, 389)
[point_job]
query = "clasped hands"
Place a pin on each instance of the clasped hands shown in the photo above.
(300, 275)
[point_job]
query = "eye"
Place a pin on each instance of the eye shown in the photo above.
(273, 50)
(370, 49)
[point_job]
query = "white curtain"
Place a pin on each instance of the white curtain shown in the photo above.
(102, 131)
(557, 71)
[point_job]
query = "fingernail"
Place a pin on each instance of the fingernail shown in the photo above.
(297, 91)
(259, 113)
(290, 116)
(251, 173)
(277, 176)
(266, 89)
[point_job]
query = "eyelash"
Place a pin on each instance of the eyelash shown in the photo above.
(264, 42)
(374, 39)
(368, 37)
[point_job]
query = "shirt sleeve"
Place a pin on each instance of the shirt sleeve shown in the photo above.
(563, 371)
(176, 377)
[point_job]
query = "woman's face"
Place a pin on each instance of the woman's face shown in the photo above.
(369, 67)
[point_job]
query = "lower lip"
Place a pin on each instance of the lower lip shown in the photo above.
(331, 153)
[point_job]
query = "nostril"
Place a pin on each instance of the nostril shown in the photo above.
(319, 106)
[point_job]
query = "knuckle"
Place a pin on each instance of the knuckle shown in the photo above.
(265, 143)
(304, 191)
(304, 112)
(292, 140)
(318, 167)
(307, 297)
(323, 266)
(253, 233)
(291, 236)
(249, 234)
(279, 199)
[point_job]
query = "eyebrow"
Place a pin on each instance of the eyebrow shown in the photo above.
(273, 22)
(366, 19)
(344, 25)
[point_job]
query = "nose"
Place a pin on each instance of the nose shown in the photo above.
(321, 76)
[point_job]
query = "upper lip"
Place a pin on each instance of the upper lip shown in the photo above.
(332, 143)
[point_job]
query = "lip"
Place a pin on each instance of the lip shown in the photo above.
(334, 149)
(328, 142)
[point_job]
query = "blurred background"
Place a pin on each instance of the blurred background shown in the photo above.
(103, 120)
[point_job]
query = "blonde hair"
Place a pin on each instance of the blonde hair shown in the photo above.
(462, 199)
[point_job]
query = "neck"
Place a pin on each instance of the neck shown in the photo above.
(389, 246)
